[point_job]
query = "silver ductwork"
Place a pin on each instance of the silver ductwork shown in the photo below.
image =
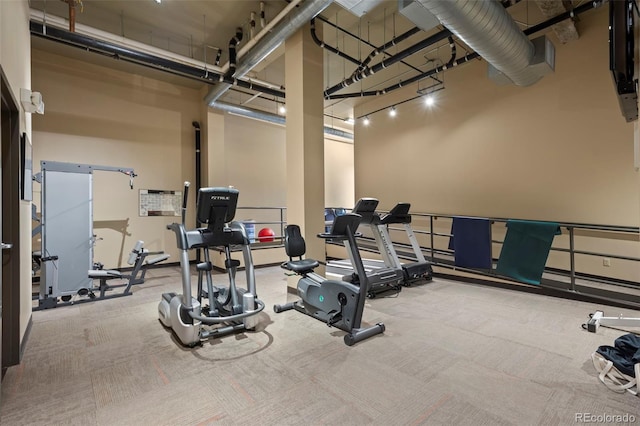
(307, 10)
(270, 118)
(486, 27)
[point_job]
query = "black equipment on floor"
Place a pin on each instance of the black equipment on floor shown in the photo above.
(337, 303)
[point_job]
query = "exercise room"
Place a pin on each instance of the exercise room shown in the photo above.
(366, 212)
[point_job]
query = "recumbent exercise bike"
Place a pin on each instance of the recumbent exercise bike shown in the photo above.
(337, 303)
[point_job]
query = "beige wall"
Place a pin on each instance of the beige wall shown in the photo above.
(255, 164)
(15, 44)
(96, 115)
(558, 150)
(339, 186)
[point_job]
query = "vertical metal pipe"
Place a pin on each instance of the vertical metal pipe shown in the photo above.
(572, 259)
(356, 261)
(210, 290)
(72, 16)
(249, 269)
(431, 236)
(196, 125)
(252, 25)
(231, 272)
(282, 224)
(491, 244)
(186, 279)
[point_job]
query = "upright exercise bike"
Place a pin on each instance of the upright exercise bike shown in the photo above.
(230, 308)
(338, 303)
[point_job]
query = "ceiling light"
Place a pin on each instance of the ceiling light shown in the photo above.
(158, 1)
(282, 109)
(429, 100)
(392, 111)
(349, 120)
(366, 121)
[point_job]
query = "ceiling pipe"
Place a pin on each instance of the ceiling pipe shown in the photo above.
(435, 38)
(235, 40)
(487, 28)
(72, 14)
(283, 30)
(361, 40)
(271, 118)
(212, 73)
(264, 32)
(141, 58)
(473, 55)
(452, 62)
(330, 48)
(376, 51)
(263, 83)
(252, 25)
(94, 33)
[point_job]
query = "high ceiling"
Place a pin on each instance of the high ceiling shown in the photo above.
(199, 29)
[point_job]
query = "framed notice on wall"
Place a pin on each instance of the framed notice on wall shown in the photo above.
(156, 202)
(26, 168)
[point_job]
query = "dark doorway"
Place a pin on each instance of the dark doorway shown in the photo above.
(10, 218)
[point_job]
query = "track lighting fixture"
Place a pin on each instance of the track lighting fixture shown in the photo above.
(392, 111)
(429, 100)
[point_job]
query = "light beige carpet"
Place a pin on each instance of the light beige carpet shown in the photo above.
(453, 353)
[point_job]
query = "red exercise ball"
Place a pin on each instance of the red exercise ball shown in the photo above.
(266, 235)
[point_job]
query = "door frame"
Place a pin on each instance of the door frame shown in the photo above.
(10, 218)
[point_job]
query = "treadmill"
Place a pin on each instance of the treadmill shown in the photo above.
(384, 275)
(413, 271)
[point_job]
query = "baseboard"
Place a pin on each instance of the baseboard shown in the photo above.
(542, 290)
(25, 338)
(23, 345)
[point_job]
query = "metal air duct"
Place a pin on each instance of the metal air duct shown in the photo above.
(270, 118)
(284, 29)
(486, 27)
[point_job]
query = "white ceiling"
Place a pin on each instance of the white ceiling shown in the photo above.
(197, 28)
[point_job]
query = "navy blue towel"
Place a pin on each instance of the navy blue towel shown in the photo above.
(471, 242)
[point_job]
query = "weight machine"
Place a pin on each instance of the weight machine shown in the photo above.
(137, 259)
(67, 230)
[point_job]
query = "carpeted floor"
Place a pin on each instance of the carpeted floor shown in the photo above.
(452, 353)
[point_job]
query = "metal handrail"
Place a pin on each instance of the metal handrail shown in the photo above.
(573, 228)
(588, 226)
(282, 222)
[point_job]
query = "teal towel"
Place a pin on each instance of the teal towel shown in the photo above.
(525, 249)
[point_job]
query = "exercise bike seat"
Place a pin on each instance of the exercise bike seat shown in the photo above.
(300, 266)
(295, 246)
